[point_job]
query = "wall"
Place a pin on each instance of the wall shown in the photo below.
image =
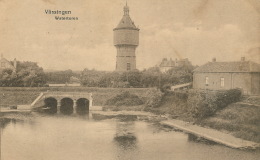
(231, 80)
(256, 83)
(125, 54)
(126, 36)
(126, 41)
(243, 80)
(214, 80)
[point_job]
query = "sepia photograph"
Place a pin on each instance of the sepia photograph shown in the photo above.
(129, 79)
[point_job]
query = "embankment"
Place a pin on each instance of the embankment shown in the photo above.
(24, 95)
(239, 117)
(220, 111)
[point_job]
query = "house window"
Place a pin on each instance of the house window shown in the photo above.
(128, 66)
(222, 82)
(206, 81)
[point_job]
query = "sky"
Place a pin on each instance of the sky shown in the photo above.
(195, 29)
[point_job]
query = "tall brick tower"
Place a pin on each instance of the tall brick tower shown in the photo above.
(126, 40)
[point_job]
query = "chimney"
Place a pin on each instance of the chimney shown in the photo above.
(15, 63)
(214, 59)
(243, 59)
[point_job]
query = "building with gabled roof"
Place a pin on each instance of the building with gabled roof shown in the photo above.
(228, 75)
(166, 64)
(5, 64)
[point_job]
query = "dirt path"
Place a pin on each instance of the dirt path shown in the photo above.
(211, 134)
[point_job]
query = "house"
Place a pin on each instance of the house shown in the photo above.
(227, 75)
(5, 64)
(166, 64)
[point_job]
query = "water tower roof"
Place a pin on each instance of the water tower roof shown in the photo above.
(126, 22)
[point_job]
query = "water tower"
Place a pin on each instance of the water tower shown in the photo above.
(126, 40)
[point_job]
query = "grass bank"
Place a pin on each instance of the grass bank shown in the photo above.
(239, 119)
(174, 105)
(223, 110)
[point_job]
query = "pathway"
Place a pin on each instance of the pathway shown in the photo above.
(211, 134)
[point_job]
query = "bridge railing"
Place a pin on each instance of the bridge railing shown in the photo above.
(68, 93)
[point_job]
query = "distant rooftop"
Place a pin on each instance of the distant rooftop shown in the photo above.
(167, 63)
(236, 66)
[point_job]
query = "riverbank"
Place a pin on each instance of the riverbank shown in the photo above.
(240, 119)
(212, 135)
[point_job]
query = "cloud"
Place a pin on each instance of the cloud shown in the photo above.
(78, 58)
(189, 42)
(198, 30)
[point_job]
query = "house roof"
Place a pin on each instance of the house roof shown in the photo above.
(238, 66)
(167, 63)
(4, 60)
(9, 64)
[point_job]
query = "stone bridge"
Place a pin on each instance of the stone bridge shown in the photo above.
(64, 102)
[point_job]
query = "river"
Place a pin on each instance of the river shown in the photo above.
(44, 137)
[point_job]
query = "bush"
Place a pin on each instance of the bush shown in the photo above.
(165, 88)
(227, 97)
(183, 95)
(124, 99)
(206, 103)
(154, 98)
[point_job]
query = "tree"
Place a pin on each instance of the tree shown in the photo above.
(28, 74)
(61, 77)
(91, 78)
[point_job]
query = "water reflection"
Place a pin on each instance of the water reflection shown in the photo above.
(193, 138)
(5, 121)
(63, 137)
(125, 140)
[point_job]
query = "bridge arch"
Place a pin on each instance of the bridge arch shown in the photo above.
(50, 104)
(66, 106)
(64, 102)
(82, 106)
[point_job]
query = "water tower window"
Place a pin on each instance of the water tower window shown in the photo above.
(128, 66)
(206, 81)
(222, 82)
